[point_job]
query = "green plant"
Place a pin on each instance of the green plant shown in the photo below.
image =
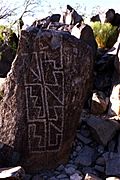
(12, 40)
(2, 29)
(105, 34)
(8, 36)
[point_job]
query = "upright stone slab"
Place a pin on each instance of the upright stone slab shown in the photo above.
(43, 98)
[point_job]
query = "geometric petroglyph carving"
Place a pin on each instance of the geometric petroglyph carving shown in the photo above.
(44, 90)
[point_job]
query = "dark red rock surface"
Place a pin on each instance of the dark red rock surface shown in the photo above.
(44, 95)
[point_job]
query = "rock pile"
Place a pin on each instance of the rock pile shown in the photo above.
(95, 153)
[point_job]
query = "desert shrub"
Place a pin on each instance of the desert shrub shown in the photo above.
(13, 40)
(7, 35)
(105, 34)
(2, 28)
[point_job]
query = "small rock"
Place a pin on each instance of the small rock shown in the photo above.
(112, 164)
(100, 149)
(115, 101)
(56, 172)
(112, 178)
(86, 156)
(12, 172)
(100, 168)
(99, 103)
(85, 132)
(75, 177)
(91, 177)
(78, 148)
(62, 176)
(53, 178)
(100, 161)
(85, 140)
(112, 145)
(89, 170)
(71, 165)
(103, 129)
(74, 154)
(70, 170)
(60, 168)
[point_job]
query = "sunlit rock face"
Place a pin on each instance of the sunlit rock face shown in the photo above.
(43, 98)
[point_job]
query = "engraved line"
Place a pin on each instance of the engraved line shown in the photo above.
(38, 107)
(54, 107)
(45, 97)
(56, 81)
(27, 106)
(54, 64)
(33, 126)
(61, 102)
(57, 135)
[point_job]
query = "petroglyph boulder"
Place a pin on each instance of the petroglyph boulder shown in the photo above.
(43, 98)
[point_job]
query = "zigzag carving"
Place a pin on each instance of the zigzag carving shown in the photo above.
(44, 90)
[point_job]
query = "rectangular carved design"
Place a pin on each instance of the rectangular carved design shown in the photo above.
(44, 91)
